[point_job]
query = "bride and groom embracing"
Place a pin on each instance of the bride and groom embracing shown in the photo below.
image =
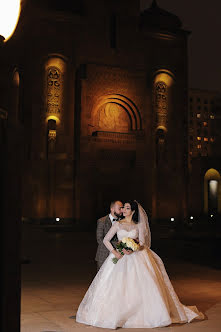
(136, 291)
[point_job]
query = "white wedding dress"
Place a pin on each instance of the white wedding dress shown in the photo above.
(134, 293)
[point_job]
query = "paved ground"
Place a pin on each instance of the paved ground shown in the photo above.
(62, 266)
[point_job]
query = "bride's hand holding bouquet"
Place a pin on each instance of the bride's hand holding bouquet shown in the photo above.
(125, 247)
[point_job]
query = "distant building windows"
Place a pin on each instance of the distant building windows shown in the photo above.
(212, 139)
(212, 117)
(198, 115)
(205, 139)
(199, 146)
(198, 138)
(205, 124)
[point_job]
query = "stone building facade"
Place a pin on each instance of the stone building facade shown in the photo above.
(101, 90)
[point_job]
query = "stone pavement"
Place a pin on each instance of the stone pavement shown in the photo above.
(62, 267)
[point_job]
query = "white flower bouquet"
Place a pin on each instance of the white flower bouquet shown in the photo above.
(128, 244)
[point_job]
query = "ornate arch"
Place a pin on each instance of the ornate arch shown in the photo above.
(123, 104)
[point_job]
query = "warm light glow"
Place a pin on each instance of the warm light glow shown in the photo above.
(57, 219)
(199, 146)
(198, 138)
(198, 115)
(205, 139)
(9, 16)
(172, 219)
(205, 124)
(53, 117)
(191, 217)
(213, 187)
(212, 117)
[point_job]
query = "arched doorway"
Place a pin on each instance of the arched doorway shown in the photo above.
(212, 192)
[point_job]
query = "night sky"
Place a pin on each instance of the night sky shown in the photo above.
(203, 18)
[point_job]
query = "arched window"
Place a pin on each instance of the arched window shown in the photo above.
(16, 100)
(162, 84)
(55, 70)
(54, 87)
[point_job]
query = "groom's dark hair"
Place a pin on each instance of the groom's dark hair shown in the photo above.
(134, 207)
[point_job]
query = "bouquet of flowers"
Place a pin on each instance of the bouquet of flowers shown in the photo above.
(128, 244)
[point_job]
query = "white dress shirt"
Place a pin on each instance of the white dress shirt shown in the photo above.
(111, 218)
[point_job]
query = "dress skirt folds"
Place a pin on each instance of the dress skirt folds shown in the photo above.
(133, 293)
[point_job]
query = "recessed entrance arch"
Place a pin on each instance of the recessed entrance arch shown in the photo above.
(212, 192)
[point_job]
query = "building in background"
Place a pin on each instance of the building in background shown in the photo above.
(204, 146)
(101, 89)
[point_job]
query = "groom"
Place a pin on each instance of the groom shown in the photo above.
(103, 226)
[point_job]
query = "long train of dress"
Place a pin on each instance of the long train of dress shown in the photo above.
(134, 293)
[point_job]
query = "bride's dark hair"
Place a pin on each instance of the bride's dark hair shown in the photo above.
(134, 207)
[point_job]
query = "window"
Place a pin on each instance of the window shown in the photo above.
(212, 117)
(198, 115)
(205, 139)
(212, 139)
(198, 138)
(199, 146)
(205, 124)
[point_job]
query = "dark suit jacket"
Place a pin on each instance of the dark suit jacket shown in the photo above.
(103, 226)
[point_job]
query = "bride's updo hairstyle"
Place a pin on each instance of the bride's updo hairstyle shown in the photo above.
(134, 207)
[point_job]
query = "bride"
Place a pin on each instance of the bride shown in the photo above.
(136, 291)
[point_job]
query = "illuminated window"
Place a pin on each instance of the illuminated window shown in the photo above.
(199, 146)
(198, 138)
(198, 115)
(212, 116)
(205, 139)
(205, 124)
(191, 153)
(212, 139)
